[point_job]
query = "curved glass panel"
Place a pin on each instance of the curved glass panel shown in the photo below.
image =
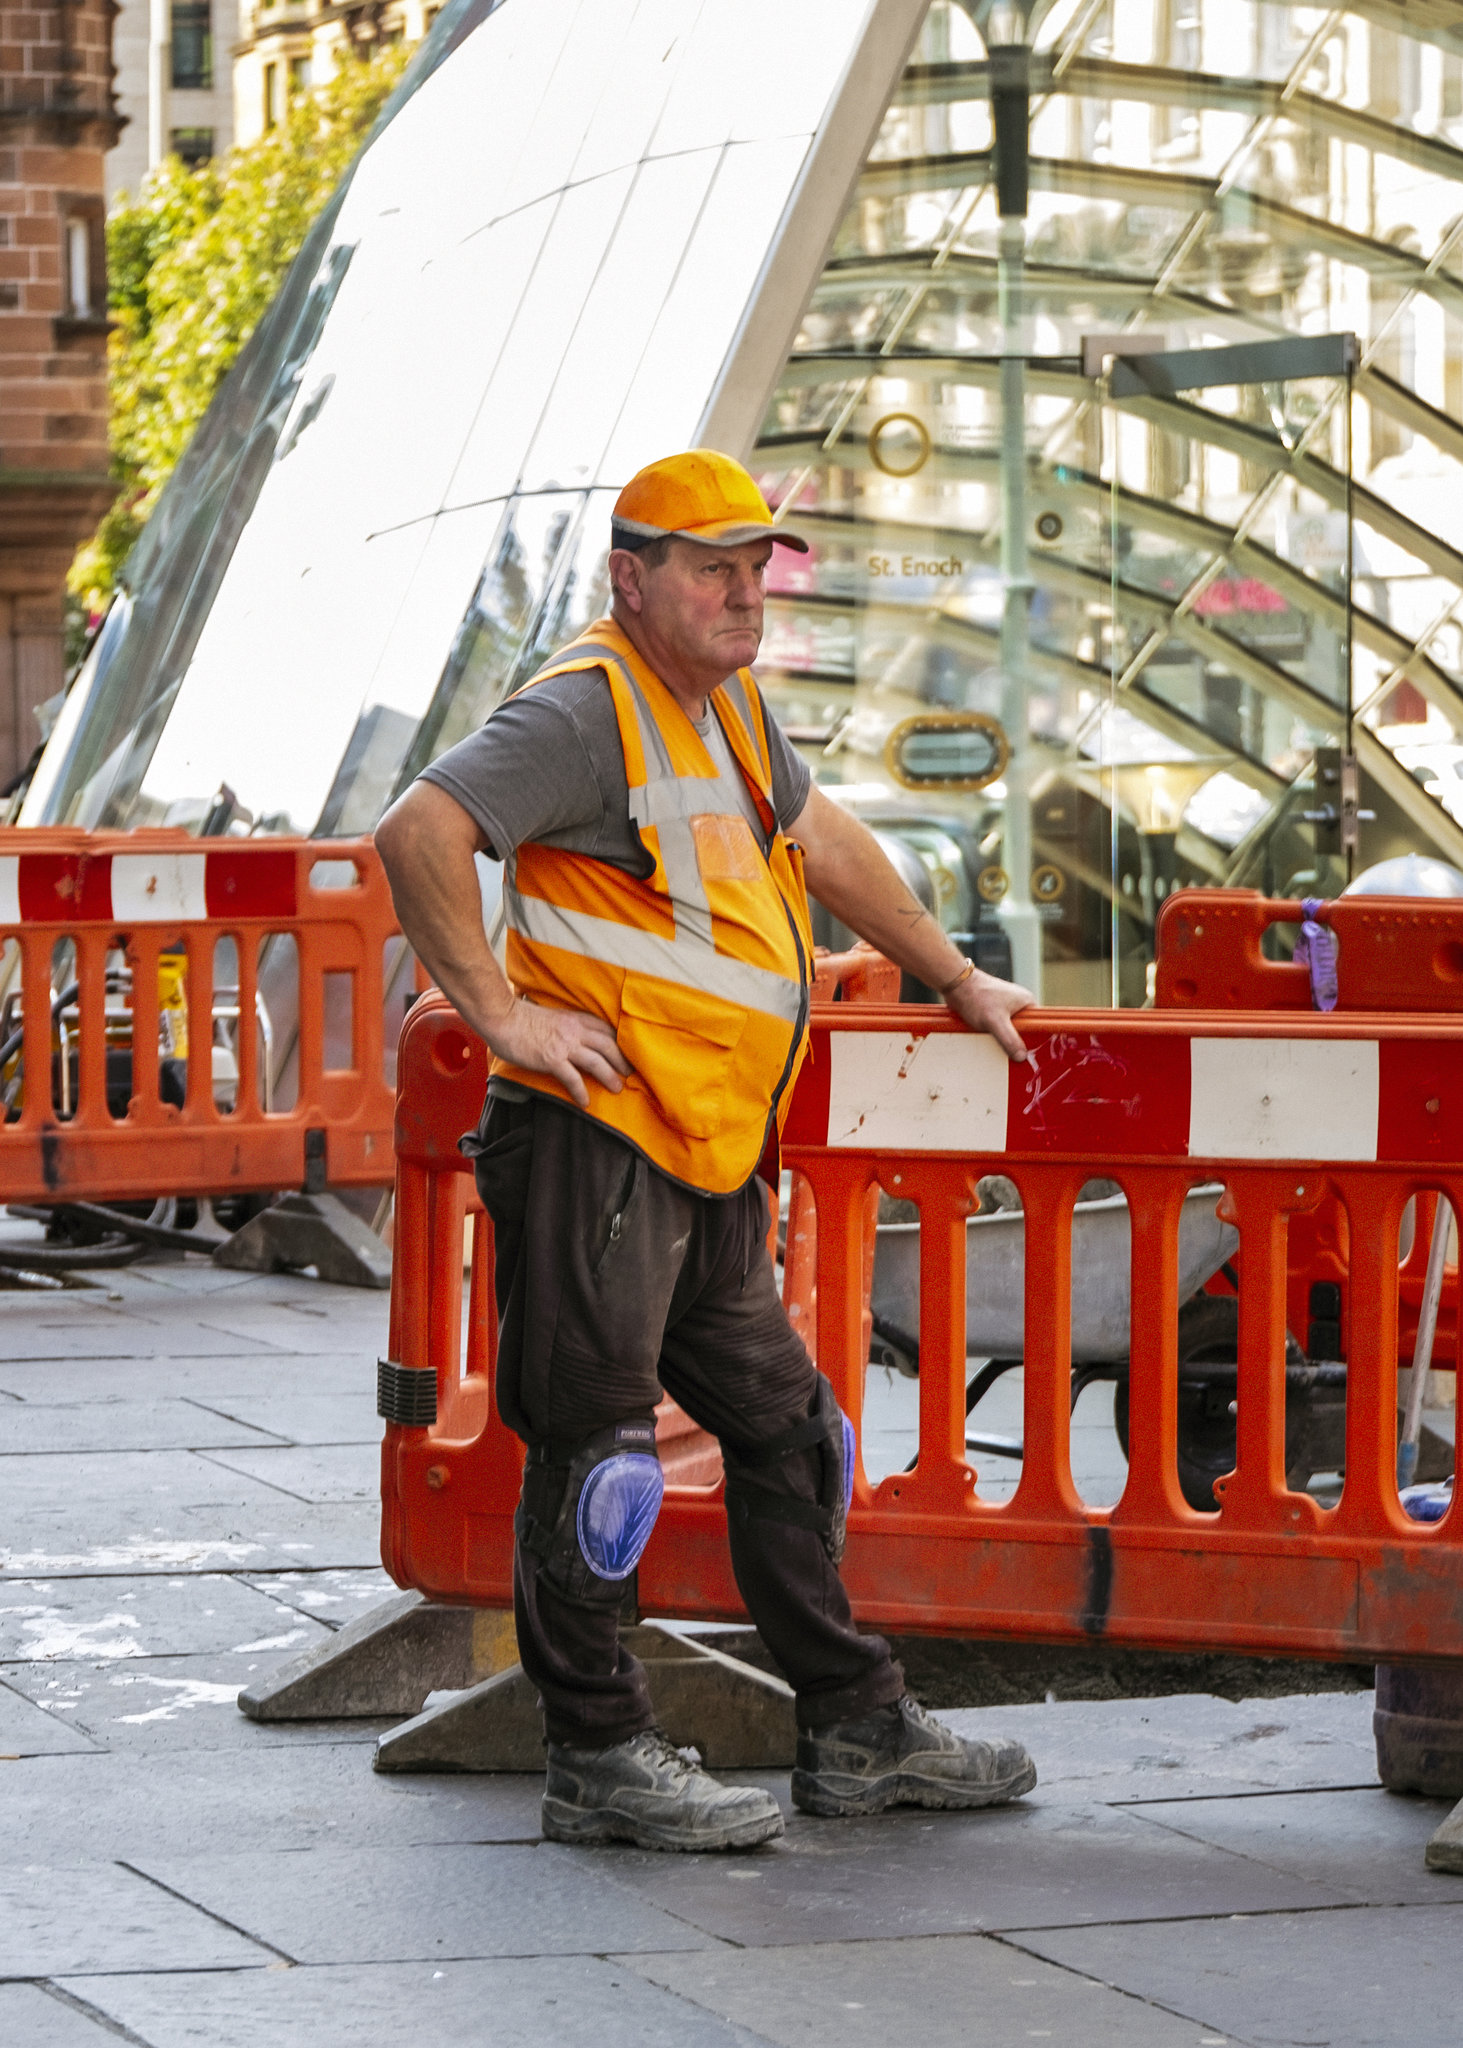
(495, 318)
(1202, 176)
(1164, 598)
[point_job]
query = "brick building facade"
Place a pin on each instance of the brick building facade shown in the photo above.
(58, 117)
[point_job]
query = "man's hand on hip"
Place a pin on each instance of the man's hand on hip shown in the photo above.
(565, 1043)
(428, 842)
(986, 1004)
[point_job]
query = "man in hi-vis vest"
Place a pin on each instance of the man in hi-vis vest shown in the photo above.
(656, 831)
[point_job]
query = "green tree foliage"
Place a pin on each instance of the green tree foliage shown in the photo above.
(192, 263)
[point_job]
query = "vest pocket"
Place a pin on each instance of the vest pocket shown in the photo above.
(680, 1043)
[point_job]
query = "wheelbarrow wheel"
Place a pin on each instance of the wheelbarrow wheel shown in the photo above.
(1208, 1335)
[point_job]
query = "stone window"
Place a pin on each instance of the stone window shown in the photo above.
(194, 145)
(192, 46)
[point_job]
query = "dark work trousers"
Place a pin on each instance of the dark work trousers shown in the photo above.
(615, 1282)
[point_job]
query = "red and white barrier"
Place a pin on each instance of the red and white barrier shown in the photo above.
(157, 887)
(1135, 1094)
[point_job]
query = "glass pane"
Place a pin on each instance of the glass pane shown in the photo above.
(399, 504)
(489, 309)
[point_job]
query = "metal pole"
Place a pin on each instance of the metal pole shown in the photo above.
(1010, 76)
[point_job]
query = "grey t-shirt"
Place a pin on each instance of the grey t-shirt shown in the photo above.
(548, 766)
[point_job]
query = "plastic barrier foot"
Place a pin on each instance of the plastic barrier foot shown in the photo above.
(1418, 1725)
(386, 1663)
(739, 1718)
(1445, 1850)
(310, 1230)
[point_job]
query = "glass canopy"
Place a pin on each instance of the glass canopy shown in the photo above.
(1067, 638)
(1221, 580)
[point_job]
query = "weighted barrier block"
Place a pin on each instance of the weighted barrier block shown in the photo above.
(310, 1230)
(494, 1726)
(1445, 1850)
(385, 1663)
(737, 1717)
(1418, 1724)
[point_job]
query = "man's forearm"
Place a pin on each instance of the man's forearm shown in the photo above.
(849, 873)
(427, 844)
(429, 861)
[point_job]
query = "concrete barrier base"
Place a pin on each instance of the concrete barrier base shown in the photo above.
(736, 1717)
(386, 1663)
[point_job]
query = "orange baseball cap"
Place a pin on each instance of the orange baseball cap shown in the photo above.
(699, 495)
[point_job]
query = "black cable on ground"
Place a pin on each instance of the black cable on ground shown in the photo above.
(80, 1258)
(136, 1227)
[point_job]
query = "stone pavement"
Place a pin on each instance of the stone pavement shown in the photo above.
(188, 1472)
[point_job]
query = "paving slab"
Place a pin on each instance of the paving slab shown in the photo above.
(948, 1993)
(174, 1703)
(1187, 1745)
(1377, 1977)
(910, 1873)
(195, 1277)
(73, 1620)
(135, 1803)
(1366, 1844)
(334, 1597)
(577, 2002)
(32, 2017)
(65, 1429)
(169, 1510)
(312, 1472)
(216, 1380)
(302, 1416)
(111, 1331)
(57, 1920)
(400, 1905)
(891, 1435)
(27, 1729)
(432, 1897)
(297, 1325)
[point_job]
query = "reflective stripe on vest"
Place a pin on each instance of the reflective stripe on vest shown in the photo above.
(640, 952)
(669, 802)
(727, 944)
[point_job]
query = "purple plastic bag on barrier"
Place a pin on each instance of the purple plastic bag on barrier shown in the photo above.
(1316, 949)
(1427, 1503)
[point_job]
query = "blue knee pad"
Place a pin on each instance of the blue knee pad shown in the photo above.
(850, 1453)
(618, 1504)
(828, 1437)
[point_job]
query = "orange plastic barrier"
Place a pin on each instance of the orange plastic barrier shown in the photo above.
(904, 1099)
(859, 976)
(1396, 953)
(99, 1032)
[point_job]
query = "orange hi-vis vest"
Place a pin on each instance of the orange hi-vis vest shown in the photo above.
(701, 970)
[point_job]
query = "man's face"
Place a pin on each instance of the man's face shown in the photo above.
(703, 605)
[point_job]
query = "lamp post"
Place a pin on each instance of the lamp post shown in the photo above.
(1007, 27)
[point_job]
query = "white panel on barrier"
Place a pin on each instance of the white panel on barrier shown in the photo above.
(159, 888)
(940, 1093)
(1283, 1098)
(10, 888)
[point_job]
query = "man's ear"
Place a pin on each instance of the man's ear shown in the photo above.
(626, 578)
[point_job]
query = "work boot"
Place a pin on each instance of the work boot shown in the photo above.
(902, 1756)
(647, 1792)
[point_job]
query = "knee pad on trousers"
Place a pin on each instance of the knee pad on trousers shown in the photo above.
(587, 1517)
(828, 1436)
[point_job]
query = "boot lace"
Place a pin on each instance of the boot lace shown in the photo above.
(659, 1750)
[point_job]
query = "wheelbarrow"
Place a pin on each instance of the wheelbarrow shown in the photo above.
(1208, 1331)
